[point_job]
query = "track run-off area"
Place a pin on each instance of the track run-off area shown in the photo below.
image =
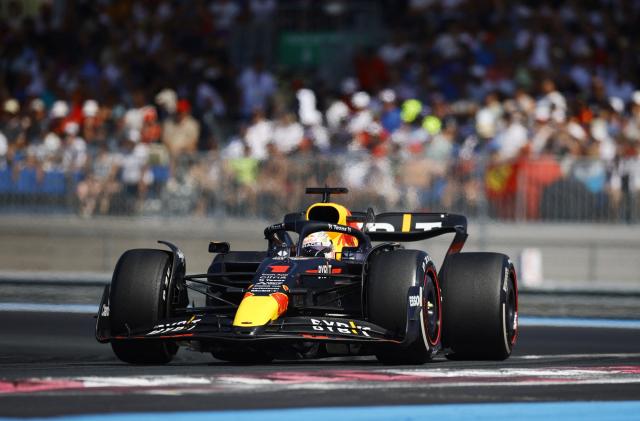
(569, 368)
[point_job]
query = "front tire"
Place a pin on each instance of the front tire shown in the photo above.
(139, 298)
(390, 275)
(480, 306)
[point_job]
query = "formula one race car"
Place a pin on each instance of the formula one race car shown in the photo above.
(328, 293)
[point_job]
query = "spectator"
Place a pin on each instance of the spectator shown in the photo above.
(12, 125)
(243, 172)
(90, 130)
(273, 191)
(133, 118)
(4, 148)
(74, 149)
(362, 116)
(225, 13)
(181, 132)
(100, 184)
(208, 174)
(257, 86)
(512, 139)
(135, 174)
(287, 134)
(259, 135)
(371, 70)
(390, 117)
(37, 121)
(552, 102)
(394, 51)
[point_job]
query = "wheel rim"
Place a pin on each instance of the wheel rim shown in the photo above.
(431, 310)
(511, 304)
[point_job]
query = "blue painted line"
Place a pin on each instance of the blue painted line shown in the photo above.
(579, 322)
(530, 411)
(50, 308)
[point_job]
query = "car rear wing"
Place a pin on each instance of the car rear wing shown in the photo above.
(390, 226)
(413, 226)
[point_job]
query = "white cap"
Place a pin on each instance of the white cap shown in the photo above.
(636, 97)
(11, 106)
(37, 104)
(387, 95)
(60, 109)
(90, 108)
(337, 112)
(71, 128)
(617, 104)
(360, 99)
(168, 99)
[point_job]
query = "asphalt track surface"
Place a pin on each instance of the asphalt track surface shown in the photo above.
(51, 365)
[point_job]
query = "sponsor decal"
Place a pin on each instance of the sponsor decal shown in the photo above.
(377, 226)
(338, 228)
(105, 311)
(183, 325)
(328, 269)
(277, 227)
(322, 325)
(269, 283)
(406, 225)
(167, 277)
(279, 268)
(425, 262)
(414, 301)
(428, 226)
(325, 269)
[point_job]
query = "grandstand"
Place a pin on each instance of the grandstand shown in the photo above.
(519, 110)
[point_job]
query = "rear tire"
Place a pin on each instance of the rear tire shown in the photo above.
(480, 306)
(138, 299)
(391, 274)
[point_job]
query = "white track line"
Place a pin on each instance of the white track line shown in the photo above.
(50, 308)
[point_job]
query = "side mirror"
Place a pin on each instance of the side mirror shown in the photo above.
(219, 247)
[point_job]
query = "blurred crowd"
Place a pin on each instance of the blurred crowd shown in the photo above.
(461, 101)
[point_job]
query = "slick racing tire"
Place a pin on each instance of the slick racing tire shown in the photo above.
(139, 297)
(390, 274)
(480, 306)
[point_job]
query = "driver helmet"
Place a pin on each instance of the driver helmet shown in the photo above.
(318, 244)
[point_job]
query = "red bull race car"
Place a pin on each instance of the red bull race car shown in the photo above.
(331, 282)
